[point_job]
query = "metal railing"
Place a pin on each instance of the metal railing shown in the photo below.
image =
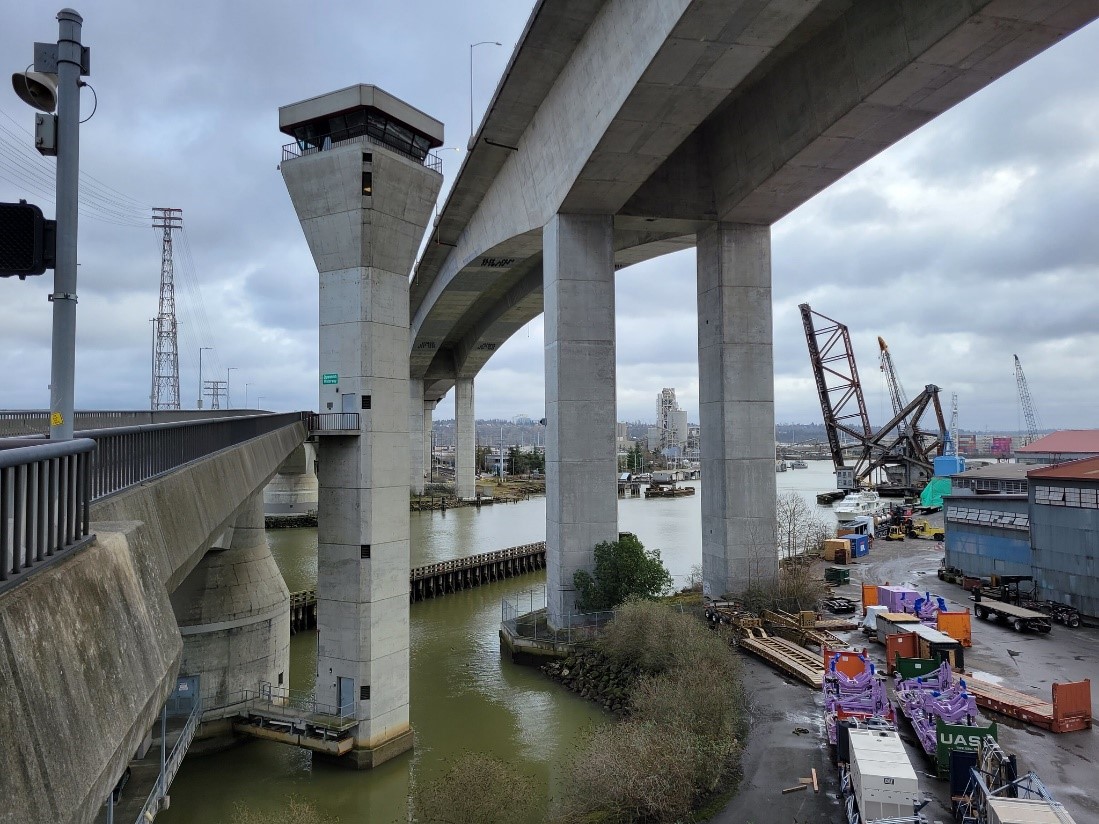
(47, 487)
(340, 422)
(303, 702)
(293, 150)
(133, 454)
(44, 497)
(170, 767)
(532, 624)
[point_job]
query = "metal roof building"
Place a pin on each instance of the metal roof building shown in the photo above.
(1064, 532)
(1058, 447)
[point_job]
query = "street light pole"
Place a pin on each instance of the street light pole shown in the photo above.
(246, 394)
(201, 349)
(228, 369)
(471, 48)
(70, 59)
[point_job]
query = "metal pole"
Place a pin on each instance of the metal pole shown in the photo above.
(163, 746)
(63, 364)
(201, 349)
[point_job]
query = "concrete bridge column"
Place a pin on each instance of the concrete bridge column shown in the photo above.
(581, 460)
(465, 455)
(429, 459)
(363, 208)
(736, 407)
(293, 491)
(416, 433)
(233, 612)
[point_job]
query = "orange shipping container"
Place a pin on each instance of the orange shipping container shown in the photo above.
(957, 626)
(869, 596)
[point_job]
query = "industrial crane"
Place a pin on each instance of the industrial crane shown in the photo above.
(904, 454)
(896, 391)
(1027, 404)
(951, 448)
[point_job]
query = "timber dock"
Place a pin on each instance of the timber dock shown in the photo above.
(434, 580)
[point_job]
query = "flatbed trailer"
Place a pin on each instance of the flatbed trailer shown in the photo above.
(785, 655)
(1070, 709)
(1020, 618)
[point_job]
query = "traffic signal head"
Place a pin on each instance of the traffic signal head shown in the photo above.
(27, 240)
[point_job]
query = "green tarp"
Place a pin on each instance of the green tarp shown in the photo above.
(932, 494)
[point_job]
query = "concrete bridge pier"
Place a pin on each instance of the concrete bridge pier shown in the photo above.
(233, 612)
(357, 177)
(417, 431)
(293, 491)
(465, 454)
(429, 458)
(581, 459)
(736, 407)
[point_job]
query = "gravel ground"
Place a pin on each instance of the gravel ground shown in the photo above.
(777, 756)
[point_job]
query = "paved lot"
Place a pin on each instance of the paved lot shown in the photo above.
(777, 757)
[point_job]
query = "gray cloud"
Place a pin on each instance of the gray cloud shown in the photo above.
(968, 241)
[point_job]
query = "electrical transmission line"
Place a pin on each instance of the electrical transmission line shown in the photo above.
(166, 359)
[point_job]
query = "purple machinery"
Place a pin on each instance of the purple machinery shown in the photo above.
(925, 698)
(862, 695)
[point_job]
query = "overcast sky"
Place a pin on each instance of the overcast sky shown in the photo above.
(973, 239)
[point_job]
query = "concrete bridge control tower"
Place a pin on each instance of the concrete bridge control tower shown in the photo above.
(364, 187)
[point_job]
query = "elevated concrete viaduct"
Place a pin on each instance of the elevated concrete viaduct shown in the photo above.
(626, 129)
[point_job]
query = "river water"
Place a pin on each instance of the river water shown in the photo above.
(465, 695)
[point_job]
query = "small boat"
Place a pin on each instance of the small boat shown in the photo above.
(854, 504)
(799, 465)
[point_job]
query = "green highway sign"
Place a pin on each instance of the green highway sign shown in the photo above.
(330, 378)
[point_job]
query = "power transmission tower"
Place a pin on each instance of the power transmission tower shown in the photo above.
(166, 372)
(215, 390)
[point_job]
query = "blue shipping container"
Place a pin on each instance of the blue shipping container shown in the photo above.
(860, 545)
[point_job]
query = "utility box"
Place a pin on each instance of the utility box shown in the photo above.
(884, 783)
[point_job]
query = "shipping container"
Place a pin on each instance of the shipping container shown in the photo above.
(832, 545)
(860, 545)
(882, 777)
(891, 623)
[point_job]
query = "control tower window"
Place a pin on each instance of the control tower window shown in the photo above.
(335, 129)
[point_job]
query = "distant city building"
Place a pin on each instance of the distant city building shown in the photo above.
(671, 425)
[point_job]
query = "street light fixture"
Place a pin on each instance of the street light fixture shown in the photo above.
(228, 369)
(472, 46)
(56, 78)
(201, 349)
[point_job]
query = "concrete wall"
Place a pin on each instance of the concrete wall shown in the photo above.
(89, 647)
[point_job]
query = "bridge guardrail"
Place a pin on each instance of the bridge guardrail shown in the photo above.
(47, 487)
(44, 498)
(335, 422)
(132, 454)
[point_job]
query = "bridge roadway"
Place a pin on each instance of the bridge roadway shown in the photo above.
(716, 120)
